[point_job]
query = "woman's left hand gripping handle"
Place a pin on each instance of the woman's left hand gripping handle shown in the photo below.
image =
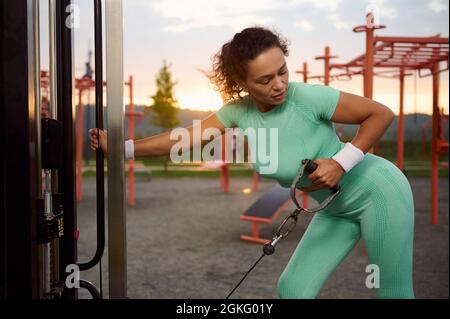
(99, 138)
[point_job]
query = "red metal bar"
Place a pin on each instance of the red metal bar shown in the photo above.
(416, 46)
(368, 72)
(131, 122)
(431, 72)
(255, 235)
(403, 53)
(255, 230)
(427, 40)
(362, 57)
(400, 128)
(304, 72)
(392, 72)
(423, 143)
(428, 54)
(406, 61)
(434, 153)
(255, 179)
(224, 170)
(395, 65)
(79, 145)
(327, 66)
(326, 57)
(305, 199)
(404, 56)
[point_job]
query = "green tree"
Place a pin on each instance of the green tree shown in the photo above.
(165, 106)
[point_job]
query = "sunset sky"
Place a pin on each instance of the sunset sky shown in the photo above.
(187, 33)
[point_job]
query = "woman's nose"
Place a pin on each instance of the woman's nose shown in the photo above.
(278, 84)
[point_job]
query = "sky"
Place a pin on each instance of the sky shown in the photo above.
(188, 33)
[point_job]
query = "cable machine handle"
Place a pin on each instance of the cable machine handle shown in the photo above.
(100, 178)
(311, 167)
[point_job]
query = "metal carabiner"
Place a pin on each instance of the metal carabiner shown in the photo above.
(269, 247)
(310, 167)
(291, 226)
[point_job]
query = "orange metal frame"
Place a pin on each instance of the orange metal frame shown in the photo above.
(399, 55)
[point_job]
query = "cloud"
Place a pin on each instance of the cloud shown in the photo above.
(305, 25)
(330, 5)
(338, 23)
(186, 15)
(235, 22)
(385, 10)
(438, 6)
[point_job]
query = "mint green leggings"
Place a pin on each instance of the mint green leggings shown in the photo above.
(376, 203)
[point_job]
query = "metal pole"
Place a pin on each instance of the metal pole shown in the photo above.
(79, 144)
(368, 72)
(66, 112)
(305, 72)
(52, 57)
(116, 189)
(51, 255)
(400, 128)
(131, 120)
(434, 150)
(224, 170)
(327, 66)
(34, 92)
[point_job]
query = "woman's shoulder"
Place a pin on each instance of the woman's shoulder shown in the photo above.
(232, 112)
(242, 102)
(318, 100)
(310, 92)
(298, 89)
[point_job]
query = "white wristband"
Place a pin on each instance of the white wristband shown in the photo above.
(129, 150)
(349, 156)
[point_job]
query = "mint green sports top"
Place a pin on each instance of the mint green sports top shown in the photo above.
(303, 122)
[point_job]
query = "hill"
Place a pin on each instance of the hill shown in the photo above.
(413, 125)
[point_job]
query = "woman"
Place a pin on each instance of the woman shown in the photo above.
(375, 201)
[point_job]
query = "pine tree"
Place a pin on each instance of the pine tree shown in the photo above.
(164, 105)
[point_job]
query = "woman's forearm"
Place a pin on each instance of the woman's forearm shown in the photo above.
(161, 144)
(157, 145)
(372, 129)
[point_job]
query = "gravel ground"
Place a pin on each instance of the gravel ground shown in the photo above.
(183, 242)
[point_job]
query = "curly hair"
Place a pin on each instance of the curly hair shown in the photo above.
(230, 62)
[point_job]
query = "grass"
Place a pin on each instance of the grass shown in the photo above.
(424, 173)
(409, 172)
(417, 161)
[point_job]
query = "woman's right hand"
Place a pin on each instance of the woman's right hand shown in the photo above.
(95, 139)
